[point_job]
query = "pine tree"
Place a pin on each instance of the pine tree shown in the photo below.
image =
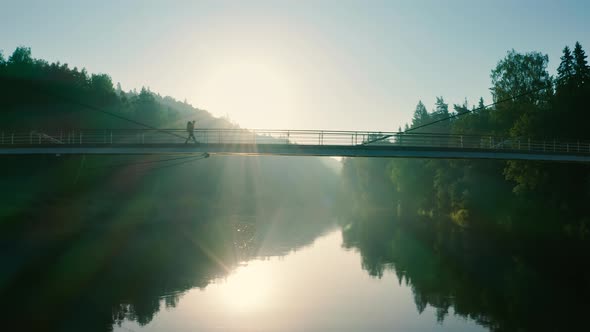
(578, 100)
(441, 109)
(420, 115)
(481, 105)
(581, 65)
(21, 55)
(565, 71)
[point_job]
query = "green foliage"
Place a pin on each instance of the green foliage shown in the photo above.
(524, 76)
(36, 94)
(489, 195)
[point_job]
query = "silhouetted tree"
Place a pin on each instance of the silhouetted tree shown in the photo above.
(566, 71)
(581, 66)
(421, 115)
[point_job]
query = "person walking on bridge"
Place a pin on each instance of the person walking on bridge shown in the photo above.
(190, 128)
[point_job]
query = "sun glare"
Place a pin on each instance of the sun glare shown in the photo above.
(249, 288)
(253, 94)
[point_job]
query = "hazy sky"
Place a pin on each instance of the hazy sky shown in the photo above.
(351, 65)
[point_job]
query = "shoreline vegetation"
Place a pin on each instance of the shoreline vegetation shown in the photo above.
(501, 242)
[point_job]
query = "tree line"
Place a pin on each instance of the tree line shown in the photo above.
(500, 242)
(36, 94)
(505, 196)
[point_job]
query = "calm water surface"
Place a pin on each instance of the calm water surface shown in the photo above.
(319, 287)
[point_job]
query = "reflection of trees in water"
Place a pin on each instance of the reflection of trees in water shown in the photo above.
(115, 272)
(83, 255)
(505, 284)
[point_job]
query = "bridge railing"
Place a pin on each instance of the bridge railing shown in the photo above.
(95, 137)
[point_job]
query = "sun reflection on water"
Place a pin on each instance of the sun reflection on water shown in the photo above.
(249, 288)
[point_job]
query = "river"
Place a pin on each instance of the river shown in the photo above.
(319, 287)
(291, 270)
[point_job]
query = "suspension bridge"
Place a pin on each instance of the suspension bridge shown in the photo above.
(289, 143)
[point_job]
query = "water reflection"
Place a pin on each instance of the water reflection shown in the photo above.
(108, 274)
(504, 284)
(318, 288)
(282, 272)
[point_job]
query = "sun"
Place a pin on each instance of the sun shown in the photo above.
(249, 288)
(255, 94)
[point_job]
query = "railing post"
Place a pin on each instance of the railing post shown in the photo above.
(111, 137)
(31, 137)
(519, 143)
(61, 133)
(529, 144)
(543, 146)
(80, 137)
(461, 141)
(553, 145)
(491, 142)
(12, 138)
(567, 147)
(2, 138)
(288, 136)
(578, 150)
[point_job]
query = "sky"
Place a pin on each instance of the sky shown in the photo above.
(307, 64)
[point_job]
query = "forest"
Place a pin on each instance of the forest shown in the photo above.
(497, 242)
(36, 94)
(508, 197)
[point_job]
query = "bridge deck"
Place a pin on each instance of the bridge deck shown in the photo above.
(290, 143)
